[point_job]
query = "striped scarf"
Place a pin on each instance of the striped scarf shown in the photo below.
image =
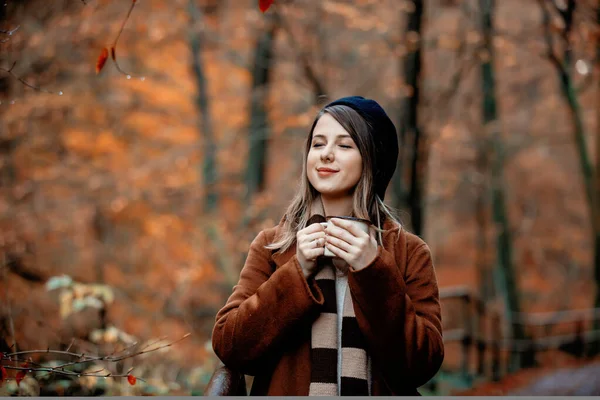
(324, 344)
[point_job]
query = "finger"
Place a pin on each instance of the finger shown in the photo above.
(373, 234)
(314, 236)
(337, 251)
(314, 253)
(340, 233)
(316, 227)
(319, 242)
(339, 244)
(311, 245)
(349, 226)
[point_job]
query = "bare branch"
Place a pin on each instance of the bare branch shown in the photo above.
(71, 344)
(550, 54)
(8, 33)
(82, 358)
(113, 48)
(36, 88)
(97, 373)
(462, 71)
(318, 86)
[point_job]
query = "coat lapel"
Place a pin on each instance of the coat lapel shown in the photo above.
(281, 258)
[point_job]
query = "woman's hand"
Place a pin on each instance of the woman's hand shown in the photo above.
(310, 244)
(351, 244)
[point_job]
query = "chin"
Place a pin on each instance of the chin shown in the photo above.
(331, 190)
(334, 192)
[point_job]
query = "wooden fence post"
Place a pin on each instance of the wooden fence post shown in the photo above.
(481, 344)
(495, 345)
(579, 342)
(468, 336)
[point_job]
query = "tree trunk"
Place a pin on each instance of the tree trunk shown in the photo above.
(596, 346)
(410, 171)
(569, 94)
(506, 280)
(567, 13)
(591, 185)
(208, 171)
(259, 124)
(485, 278)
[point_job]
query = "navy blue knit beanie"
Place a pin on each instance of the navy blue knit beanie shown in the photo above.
(384, 136)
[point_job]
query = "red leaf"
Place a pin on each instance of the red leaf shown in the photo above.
(101, 60)
(264, 5)
(3, 374)
(131, 379)
(19, 377)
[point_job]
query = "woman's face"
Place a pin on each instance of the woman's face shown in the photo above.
(332, 148)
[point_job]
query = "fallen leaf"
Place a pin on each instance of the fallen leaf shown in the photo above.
(264, 5)
(101, 60)
(19, 377)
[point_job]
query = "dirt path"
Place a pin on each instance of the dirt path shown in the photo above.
(582, 381)
(568, 376)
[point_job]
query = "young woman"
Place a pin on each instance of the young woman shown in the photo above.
(365, 322)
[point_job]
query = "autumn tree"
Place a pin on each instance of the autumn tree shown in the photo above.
(597, 177)
(508, 285)
(258, 132)
(566, 12)
(410, 173)
(205, 128)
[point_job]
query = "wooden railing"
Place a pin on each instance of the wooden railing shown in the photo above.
(482, 333)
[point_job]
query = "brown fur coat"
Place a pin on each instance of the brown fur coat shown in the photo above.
(264, 329)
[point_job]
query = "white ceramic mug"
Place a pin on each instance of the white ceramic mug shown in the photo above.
(361, 224)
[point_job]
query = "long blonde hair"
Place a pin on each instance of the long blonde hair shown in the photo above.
(366, 203)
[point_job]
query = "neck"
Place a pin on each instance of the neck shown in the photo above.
(341, 206)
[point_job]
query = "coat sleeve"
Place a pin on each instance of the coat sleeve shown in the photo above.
(263, 307)
(400, 318)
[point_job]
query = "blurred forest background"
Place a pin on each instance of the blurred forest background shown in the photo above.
(129, 194)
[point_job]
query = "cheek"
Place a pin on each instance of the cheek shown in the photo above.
(310, 165)
(357, 166)
(311, 160)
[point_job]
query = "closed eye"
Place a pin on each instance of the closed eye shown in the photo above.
(344, 146)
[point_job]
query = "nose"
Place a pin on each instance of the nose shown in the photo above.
(327, 154)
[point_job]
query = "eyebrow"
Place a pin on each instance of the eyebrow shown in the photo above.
(338, 136)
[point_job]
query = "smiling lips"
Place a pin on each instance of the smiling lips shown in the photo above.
(326, 171)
